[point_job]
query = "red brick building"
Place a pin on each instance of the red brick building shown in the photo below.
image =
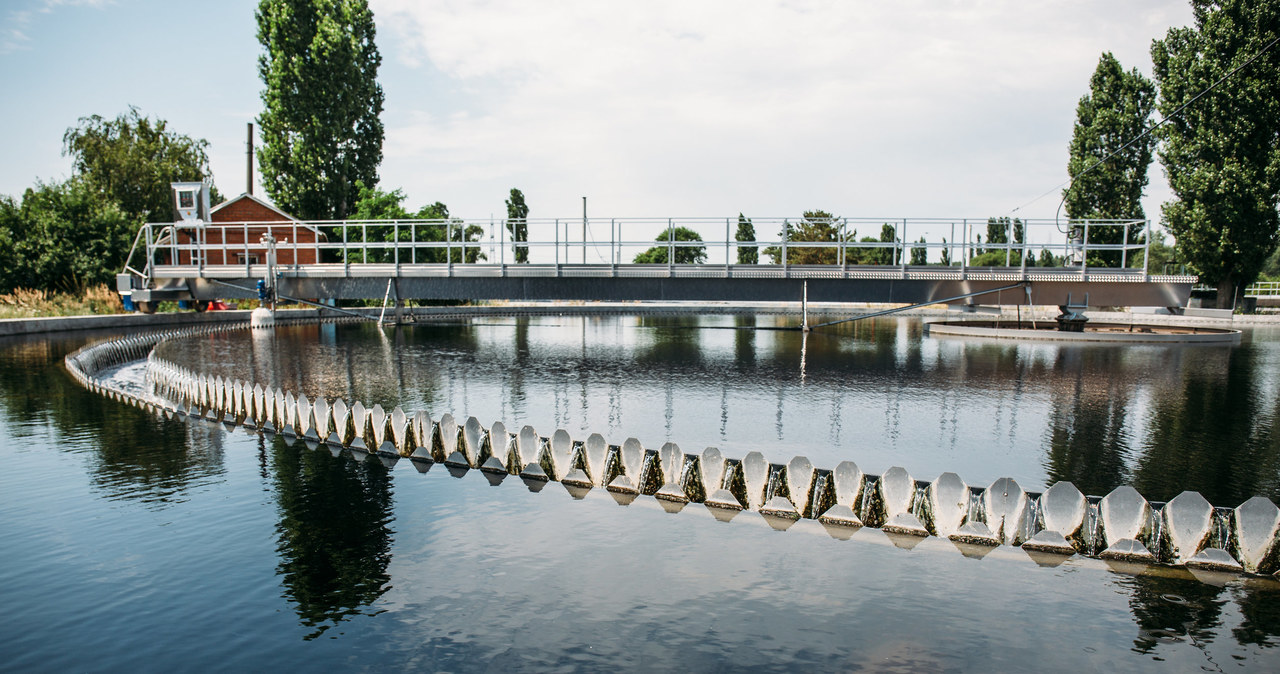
(236, 228)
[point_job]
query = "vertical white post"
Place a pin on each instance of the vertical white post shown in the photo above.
(1084, 252)
(844, 227)
(1146, 251)
(804, 306)
(1008, 242)
(671, 246)
(1124, 252)
(902, 257)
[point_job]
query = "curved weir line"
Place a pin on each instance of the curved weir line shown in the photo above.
(1186, 531)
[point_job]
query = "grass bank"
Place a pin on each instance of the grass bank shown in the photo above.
(24, 303)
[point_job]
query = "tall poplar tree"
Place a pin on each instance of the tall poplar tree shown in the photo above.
(748, 252)
(1114, 113)
(1222, 153)
(518, 223)
(320, 127)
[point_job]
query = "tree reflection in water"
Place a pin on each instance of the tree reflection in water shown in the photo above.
(1087, 441)
(136, 456)
(334, 532)
(1215, 432)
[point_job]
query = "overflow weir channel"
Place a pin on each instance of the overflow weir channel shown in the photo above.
(1186, 531)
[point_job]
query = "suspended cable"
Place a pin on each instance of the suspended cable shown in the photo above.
(1146, 132)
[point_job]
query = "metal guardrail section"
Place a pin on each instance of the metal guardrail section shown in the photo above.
(345, 259)
(1263, 289)
(556, 241)
(927, 273)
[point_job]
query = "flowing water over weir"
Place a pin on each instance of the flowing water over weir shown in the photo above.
(1122, 525)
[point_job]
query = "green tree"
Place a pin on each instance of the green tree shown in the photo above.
(374, 204)
(10, 224)
(946, 253)
(747, 254)
(63, 236)
(998, 231)
(518, 223)
(814, 226)
(683, 255)
(877, 255)
(1222, 152)
(1163, 258)
(1110, 122)
(997, 254)
(131, 160)
(1270, 270)
(320, 125)
(920, 254)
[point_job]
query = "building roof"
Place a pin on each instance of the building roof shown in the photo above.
(269, 206)
(233, 210)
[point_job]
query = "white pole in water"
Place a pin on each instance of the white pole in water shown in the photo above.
(385, 298)
(804, 308)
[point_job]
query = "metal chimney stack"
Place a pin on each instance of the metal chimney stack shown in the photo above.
(249, 159)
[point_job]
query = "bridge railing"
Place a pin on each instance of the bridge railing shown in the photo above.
(1263, 289)
(568, 242)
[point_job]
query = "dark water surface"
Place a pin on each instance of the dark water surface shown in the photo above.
(132, 543)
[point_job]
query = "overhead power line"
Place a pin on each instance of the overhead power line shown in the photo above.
(1147, 131)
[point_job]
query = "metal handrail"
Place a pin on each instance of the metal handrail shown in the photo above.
(1263, 289)
(357, 242)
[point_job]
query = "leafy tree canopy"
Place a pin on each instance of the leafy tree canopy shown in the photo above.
(62, 236)
(682, 255)
(1114, 113)
(321, 126)
(131, 161)
(1110, 122)
(920, 253)
(1222, 152)
(518, 223)
(821, 226)
(374, 204)
(813, 226)
(748, 252)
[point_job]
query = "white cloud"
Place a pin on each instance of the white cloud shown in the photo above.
(14, 36)
(667, 106)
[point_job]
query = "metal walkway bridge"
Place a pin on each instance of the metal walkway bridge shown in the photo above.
(1021, 262)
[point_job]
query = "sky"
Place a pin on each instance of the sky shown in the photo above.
(919, 108)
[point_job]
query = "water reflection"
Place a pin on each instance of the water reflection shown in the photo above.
(335, 539)
(880, 392)
(133, 454)
(334, 531)
(1088, 443)
(1259, 614)
(1212, 431)
(1174, 610)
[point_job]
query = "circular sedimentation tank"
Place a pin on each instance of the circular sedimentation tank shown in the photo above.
(1093, 332)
